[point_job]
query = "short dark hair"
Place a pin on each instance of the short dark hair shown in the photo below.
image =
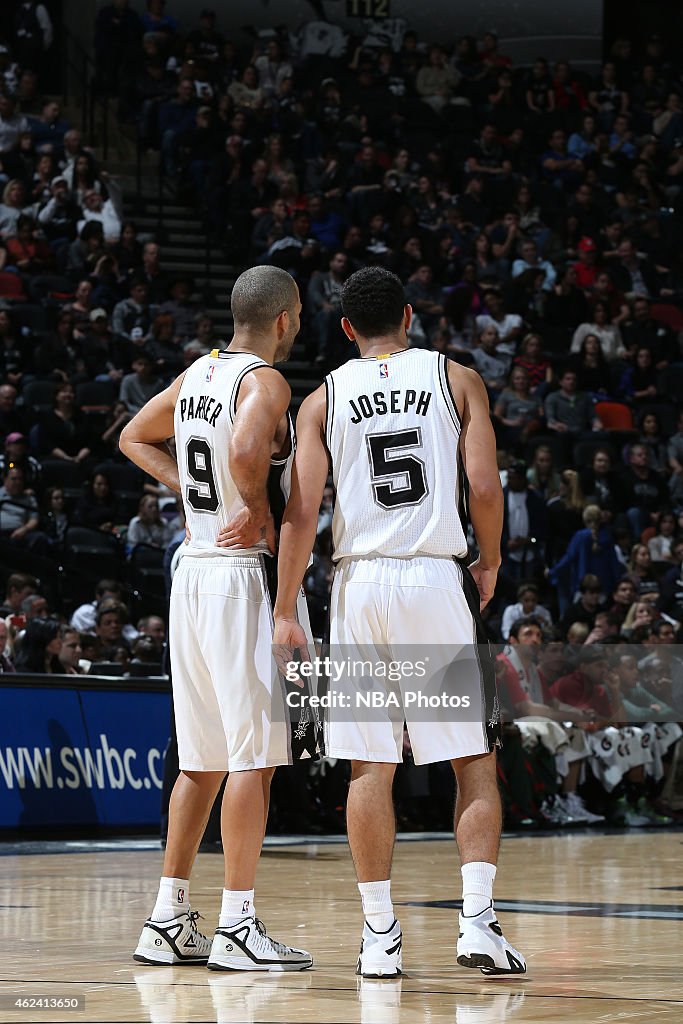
(525, 620)
(373, 301)
(260, 294)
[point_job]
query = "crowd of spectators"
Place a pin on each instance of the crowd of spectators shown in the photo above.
(533, 215)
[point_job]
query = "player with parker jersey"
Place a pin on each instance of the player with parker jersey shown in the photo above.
(228, 416)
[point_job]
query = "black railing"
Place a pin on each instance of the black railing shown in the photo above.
(79, 78)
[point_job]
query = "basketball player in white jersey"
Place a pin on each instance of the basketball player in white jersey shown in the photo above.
(400, 427)
(228, 416)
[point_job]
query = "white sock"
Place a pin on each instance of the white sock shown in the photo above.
(173, 899)
(235, 906)
(377, 905)
(477, 887)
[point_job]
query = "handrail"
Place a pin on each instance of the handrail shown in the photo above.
(77, 60)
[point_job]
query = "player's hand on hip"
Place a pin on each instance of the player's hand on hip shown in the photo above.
(290, 645)
(247, 529)
(485, 580)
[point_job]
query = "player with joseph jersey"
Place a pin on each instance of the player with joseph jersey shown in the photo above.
(408, 436)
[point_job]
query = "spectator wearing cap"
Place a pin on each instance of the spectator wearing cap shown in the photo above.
(59, 216)
(587, 266)
(15, 453)
(97, 349)
(524, 524)
(142, 384)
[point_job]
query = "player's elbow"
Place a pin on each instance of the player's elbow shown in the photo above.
(485, 487)
(125, 440)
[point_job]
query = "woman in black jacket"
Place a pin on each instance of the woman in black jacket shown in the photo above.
(98, 507)
(40, 647)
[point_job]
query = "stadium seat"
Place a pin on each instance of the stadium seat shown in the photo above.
(39, 394)
(93, 553)
(667, 314)
(31, 316)
(614, 415)
(96, 395)
(60, 473)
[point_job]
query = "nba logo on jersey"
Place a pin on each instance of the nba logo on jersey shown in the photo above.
(209, 372)
(383, 370)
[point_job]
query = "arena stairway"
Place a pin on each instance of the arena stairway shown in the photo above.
(183, 251)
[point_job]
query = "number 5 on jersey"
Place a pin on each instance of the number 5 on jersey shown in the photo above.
(404, 481)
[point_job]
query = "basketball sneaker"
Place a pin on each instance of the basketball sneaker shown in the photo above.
(481, 943)
(577, 810)
(177, 941)
(380, 952)
(246, 946)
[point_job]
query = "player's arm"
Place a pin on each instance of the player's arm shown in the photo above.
(300, 521)
(262, 403)
(143, 440)
(478, 451)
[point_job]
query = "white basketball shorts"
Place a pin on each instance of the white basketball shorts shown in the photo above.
(405, 611)
(229, 699)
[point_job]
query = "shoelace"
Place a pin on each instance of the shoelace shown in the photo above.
(266, 940)
(193, 915)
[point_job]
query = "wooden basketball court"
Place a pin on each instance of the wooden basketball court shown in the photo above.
(599, 918)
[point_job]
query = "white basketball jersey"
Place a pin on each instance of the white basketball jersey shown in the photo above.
(203, 421)
(393, 431)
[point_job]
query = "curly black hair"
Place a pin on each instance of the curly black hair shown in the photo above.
(373, 301)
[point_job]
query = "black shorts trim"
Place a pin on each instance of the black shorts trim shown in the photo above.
(489, 691)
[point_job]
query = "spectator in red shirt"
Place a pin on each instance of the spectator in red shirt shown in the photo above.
(587, 267)
(586, 688)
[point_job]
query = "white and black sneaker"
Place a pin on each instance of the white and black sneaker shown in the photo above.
(481, 944)
(380, 952)
(177, 941)
(246, 946)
